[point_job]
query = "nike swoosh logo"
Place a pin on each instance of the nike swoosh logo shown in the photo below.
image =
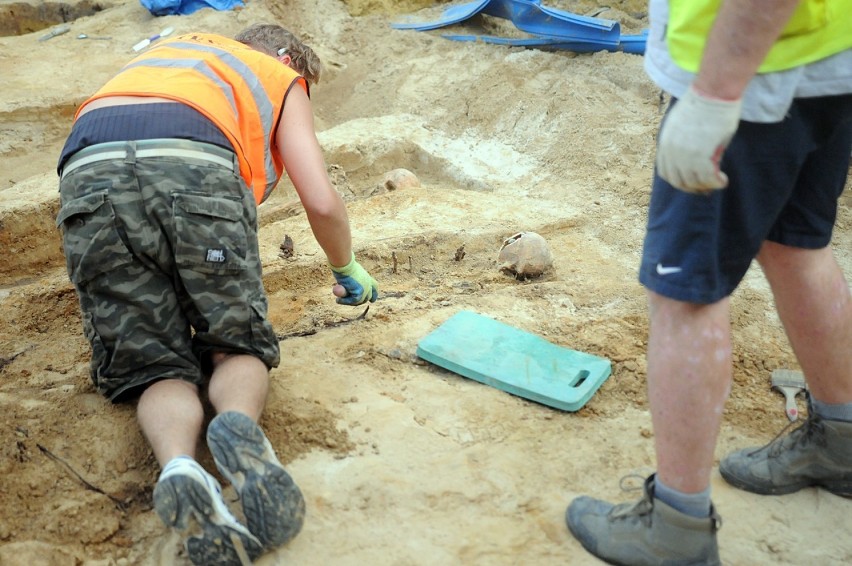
(667, 270)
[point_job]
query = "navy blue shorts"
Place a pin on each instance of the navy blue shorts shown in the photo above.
(785, 181)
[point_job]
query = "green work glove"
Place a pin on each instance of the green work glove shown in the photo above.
(359, 285)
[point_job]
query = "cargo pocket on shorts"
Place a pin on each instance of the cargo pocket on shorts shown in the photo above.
(90, 238)
(263, 337)
(210, 234)
(100, 358)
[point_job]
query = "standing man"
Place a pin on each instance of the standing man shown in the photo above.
(160, 181)
(751, 160)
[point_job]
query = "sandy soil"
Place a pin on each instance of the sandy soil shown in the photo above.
(401, 463)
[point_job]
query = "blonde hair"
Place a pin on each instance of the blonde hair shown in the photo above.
(274, 40)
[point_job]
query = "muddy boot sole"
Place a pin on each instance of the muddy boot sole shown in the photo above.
(272, 503)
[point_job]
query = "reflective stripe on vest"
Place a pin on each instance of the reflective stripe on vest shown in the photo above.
(817, 29)
(239, 89)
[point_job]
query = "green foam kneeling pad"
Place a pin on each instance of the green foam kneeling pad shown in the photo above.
(514, 361)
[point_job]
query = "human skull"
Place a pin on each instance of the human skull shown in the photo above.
(526, 254)
(400, 179)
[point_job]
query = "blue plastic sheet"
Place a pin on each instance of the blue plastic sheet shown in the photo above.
(549, 28)
(185, 7)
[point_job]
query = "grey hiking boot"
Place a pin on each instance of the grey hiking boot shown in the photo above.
(187, 496)
(817, 453)
(647, 532)
(273, 505)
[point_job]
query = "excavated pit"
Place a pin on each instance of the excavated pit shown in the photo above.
(20, 18)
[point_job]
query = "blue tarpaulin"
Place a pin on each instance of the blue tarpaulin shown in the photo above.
(550, 28)
(184, 7)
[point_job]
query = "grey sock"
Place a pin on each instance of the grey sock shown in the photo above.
(692, 504)
(833, 412)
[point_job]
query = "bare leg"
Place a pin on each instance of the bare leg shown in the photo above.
(171, 415)
(239, 383)
(813, 301)
(689, 376)
(689, 379)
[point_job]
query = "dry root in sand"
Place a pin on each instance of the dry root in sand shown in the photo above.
(524, 255)
(286, 247)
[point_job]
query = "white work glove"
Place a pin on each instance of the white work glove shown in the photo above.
(693, 138)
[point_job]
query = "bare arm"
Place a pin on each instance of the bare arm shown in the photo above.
(303, 160)
(742, 35)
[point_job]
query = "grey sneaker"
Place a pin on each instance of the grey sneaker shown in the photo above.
(817, 453)
(187, 494)
(272, 503)
(647, 532)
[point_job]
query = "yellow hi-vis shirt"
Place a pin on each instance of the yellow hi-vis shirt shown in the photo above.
(817, 29)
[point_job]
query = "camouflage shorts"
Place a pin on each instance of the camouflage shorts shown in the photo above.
(163, 253)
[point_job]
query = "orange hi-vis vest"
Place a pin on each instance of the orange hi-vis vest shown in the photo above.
(238, 88)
